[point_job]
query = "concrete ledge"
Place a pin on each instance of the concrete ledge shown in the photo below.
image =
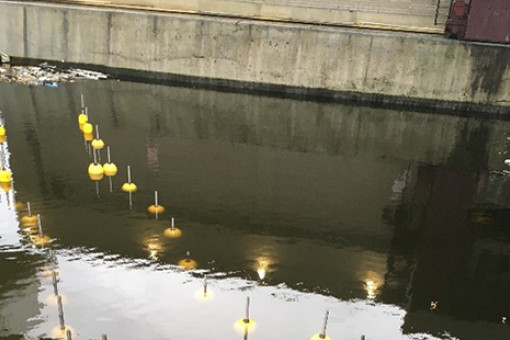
(412, 70)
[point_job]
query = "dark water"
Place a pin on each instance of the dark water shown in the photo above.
(398, 223)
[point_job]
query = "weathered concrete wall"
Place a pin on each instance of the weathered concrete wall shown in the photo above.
(289, 57)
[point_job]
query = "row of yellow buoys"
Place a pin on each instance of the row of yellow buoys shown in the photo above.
(5, 174)
(97, 171)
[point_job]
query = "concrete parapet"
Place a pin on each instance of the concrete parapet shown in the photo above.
(290, 58)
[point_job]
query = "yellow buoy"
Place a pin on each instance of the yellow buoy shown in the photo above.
(30, 220)
(97, 143)
(109, 168)
(129, 187)
(3, 133)
(87, 128)
(156, 208)
(95, 169)
(187, 263)
(5, 176)
(245, 325)
(82, 118)
(172, 232)
(3, 139)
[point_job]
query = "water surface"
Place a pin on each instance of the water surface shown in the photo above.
(394, 221)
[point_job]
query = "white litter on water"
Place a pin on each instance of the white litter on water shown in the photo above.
(45, 75)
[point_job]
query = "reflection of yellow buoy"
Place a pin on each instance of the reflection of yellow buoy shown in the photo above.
(3, 139)
(204, 294)
(41, 240)
(6, 186)
(245, 325)
(187, 263)
(173, 232)
(58, 333)
(30, 220)
(88, 137)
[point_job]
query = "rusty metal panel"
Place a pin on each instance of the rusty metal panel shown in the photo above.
(489, 20)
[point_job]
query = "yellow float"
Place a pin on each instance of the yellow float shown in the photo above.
(87, 128)
(95, 169)
(88, 137)
(245, 325)
(109, 168)
(97, 143)
(5, 176)
(3, 132)
(156, 209)
(29, 220)
(7, 186)
(187, 263)
(172, 232)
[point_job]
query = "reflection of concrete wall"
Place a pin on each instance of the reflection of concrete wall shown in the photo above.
(291, 58)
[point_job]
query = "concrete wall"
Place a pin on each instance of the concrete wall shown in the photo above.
(246, 54)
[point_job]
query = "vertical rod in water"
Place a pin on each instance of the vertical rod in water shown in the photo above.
(247, 318)
(98, 194)
(205, 285)
(39, 225)
(29, 209)
(97, 137)
(362, 337)
(54, 279)
(111, 183)
(61, 313)
(129, 181)
(94, 156)
(173, 223)
(69, 335)
(323, 334)
(82, 103)
(104, 337)
(87, 112)
(108, 154)
(156, 203)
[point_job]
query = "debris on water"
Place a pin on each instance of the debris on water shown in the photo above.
(45, 75)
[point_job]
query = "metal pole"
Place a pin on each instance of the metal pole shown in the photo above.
(97, 131)
(39, 225)
(108, 154)
(156, 203)
(61, 313)
(437, 11)
(82, 103)
(247, 318)
(68, 335)
(323, 334)
(205, 285)
(29, 209)
(104, 337)
(129, 173)
(54, 279)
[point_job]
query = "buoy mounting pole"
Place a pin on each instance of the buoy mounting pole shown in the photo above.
(97, 137)
(61, 313)
(108, 154)
(247, 316)
(82, 104)
(29, 209)
(54, 279)
(130, 194)
(39, 225)
(205, 285)
(156, 202)
(68, 335)
(323, 334)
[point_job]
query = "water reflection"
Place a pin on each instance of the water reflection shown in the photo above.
(378, 214)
